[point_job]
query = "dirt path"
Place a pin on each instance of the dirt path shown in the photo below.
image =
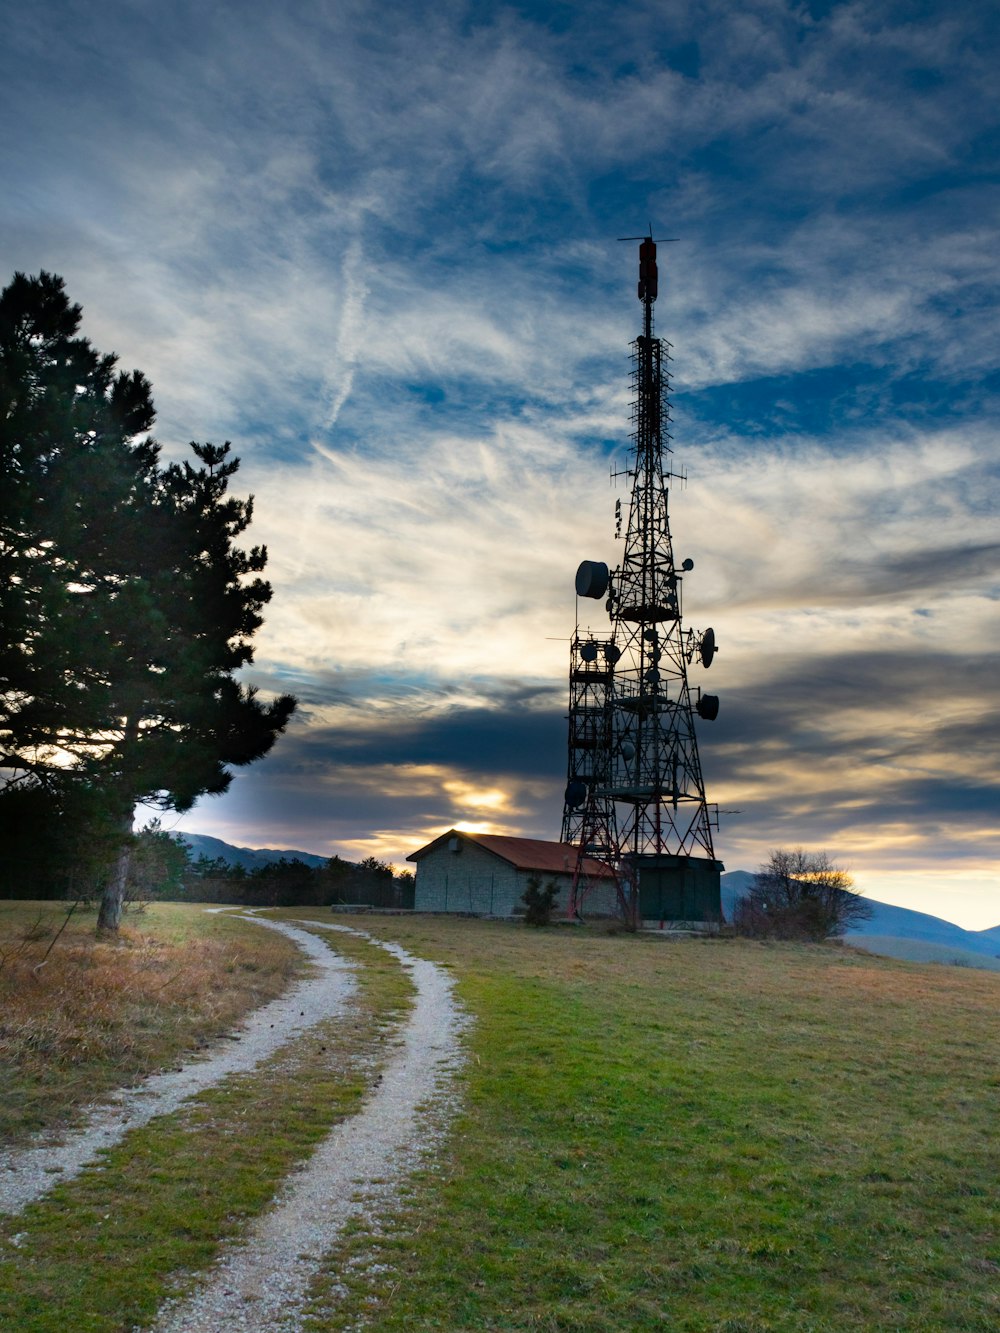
(28, 1173)
(261, 1285)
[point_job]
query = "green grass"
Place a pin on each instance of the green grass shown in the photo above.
(716, 1136)
(101, 1253)
(697, 1136)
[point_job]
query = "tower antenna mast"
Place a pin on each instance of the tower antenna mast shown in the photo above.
(647, 788)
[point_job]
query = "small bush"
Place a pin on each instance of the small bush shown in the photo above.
(539, 902)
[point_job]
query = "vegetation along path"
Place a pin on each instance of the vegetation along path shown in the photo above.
(28, 1173)
(263, 1282)
(207, 1198)
(699, 1136)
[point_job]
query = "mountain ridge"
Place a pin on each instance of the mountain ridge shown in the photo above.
(892, 930)
(899, 932)
(250, 858)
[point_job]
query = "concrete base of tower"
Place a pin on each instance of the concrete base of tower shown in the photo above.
(680, 888)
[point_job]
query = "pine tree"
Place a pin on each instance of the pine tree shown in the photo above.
(126, 607)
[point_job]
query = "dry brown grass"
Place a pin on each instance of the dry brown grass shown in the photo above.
(80, 1015)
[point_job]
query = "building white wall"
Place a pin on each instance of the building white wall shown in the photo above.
(475, 880)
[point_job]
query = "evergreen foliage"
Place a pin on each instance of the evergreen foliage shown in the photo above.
(56, 841)
(126, 606)
(539, 902)
(157, 867)
(289, 882)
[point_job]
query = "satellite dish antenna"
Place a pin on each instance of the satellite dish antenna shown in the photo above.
(589, 651)
(612, 653)
(707, 707)
(687, 565)
(592, 579)
(708, 647)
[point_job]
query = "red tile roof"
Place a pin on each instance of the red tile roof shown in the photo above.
(552, 858)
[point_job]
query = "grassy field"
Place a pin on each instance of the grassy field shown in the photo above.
(708, 1135)
(79, 1015)
(102, 1251)
(704, 1135)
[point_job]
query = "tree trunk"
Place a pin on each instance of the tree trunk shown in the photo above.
(113, 898)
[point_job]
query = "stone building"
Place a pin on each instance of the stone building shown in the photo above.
(486, 874)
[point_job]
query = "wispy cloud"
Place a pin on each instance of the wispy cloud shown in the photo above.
(374, 246)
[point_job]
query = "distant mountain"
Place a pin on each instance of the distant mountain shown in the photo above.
(895, 931)
(888, 920)
(250, 858)
(924, 951)
(734, 884)
(900, 932)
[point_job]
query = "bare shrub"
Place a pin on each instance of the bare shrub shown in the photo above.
(799, 895)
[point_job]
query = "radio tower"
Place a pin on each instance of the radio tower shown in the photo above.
(647, 788)
(589, 814)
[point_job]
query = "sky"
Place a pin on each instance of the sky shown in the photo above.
(375, 245)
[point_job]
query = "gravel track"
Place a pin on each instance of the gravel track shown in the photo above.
(261, 1284)
(28, 1173)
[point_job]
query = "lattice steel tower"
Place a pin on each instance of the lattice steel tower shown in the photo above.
(650, 775)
